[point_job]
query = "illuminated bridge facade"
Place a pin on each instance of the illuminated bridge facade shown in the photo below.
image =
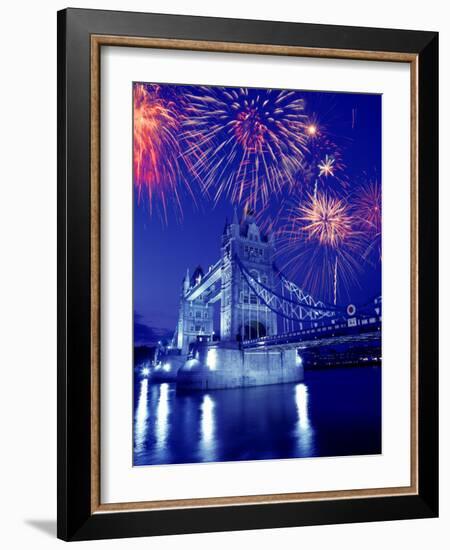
(268, 325)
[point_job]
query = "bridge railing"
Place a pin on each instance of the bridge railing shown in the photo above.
(348, 326)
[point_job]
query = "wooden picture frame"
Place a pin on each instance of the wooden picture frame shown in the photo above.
(81, 35)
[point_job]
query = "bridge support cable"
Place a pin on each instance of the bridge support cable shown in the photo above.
(289, 308)
(302, 297)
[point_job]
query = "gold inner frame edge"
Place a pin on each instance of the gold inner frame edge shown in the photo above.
(97, 41)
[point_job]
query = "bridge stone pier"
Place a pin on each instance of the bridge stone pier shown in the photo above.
(228, 366)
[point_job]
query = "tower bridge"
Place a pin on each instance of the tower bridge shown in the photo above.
(267, 324)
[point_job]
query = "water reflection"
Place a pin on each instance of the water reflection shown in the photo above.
(303, 428)
(162, 414)
(336, 412)
(207, 443)
(141, 415)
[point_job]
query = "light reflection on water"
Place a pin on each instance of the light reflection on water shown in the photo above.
(304, 429)
(162, 414)
(207, 443)
(140, 419)
(335, 412)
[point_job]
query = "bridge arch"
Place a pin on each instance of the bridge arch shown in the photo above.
(252, 330)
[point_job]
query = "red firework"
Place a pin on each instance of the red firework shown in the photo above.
(156, 150)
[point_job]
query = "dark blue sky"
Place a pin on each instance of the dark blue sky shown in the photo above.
(163, 251)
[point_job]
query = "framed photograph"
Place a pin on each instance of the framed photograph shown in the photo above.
(247, 255)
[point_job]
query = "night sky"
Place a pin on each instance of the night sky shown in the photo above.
(182, 228)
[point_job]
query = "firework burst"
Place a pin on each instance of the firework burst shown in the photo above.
(320, 243)
(156, 152)
(325, 219)
(323, 165)
(326, 166)
(367, 205)
(245, 143)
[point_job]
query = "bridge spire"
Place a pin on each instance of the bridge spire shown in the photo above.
(186, 281)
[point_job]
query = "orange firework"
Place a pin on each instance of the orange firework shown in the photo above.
(319, 243)
(156, 150)
(326, 219)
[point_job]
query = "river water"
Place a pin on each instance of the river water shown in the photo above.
(334, 412)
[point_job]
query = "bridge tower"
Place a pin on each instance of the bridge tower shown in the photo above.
(242, 314)
(195, 319)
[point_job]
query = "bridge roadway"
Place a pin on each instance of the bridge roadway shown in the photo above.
(352, 330)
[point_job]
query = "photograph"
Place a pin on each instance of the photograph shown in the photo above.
(257, 262)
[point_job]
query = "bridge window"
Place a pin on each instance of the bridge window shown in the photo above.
(253, 299)
(205, 315)
(198, 314)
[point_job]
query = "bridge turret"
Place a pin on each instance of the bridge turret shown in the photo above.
(243, 314)
(195, 318)
(186, 282)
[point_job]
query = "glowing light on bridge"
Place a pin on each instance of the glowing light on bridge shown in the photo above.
(211, 359)
(145, 371)
(244, 143)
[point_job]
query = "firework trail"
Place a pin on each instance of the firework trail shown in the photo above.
(328, 129)
(156, 150)
(246, 144)
(335, 281)
(320, 242)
